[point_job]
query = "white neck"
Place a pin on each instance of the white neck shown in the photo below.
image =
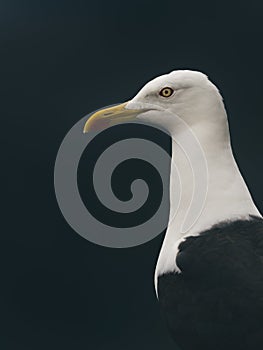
(227, 195)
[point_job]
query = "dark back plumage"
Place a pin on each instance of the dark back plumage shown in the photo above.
(216, 302)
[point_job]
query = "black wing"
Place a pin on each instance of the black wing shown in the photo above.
(216, 302)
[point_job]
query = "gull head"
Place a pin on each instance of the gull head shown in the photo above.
(189, 95)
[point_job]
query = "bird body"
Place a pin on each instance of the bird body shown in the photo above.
(209, 276)
(216, 301)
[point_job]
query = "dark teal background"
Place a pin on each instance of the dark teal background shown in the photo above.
(59, 61)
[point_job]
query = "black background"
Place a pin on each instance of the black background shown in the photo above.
(59, 61)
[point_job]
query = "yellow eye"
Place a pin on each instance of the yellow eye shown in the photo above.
(166, 92)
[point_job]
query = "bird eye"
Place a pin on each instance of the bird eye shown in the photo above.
(166, 92)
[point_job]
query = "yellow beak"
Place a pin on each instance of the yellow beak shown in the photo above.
(110, 116)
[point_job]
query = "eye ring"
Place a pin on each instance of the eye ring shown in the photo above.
(166, 92)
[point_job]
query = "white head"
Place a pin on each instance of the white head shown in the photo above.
(185, 93)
